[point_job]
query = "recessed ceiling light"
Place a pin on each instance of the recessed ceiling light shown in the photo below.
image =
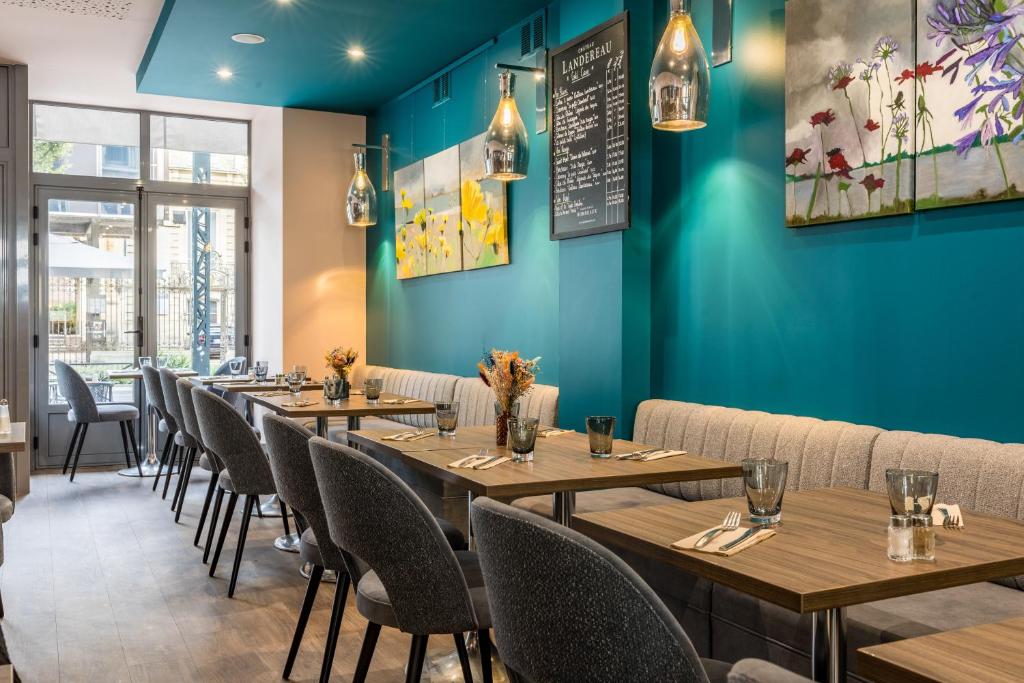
(248, 38)
(356, 52)
(225, 73)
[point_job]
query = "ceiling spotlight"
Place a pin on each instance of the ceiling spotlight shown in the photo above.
(225, 73)
(356, 52)
(248, 38)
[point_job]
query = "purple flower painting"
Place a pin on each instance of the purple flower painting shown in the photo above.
(851, 91)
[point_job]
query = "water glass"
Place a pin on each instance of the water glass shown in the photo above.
(295, 381)
(911, 492)
(372, 388)
(447, 418)
(145, 361)
(765, 482)
(261, 368)
(235, 366)
(334, 388)
(300, 370)
(601, 433)
(522, 437)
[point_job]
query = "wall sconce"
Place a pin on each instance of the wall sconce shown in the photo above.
(361, 202)
(680, 82)
(506, 145)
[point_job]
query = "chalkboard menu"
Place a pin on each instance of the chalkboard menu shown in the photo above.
(589, 81)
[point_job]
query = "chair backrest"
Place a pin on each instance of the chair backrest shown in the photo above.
(155, 395)
(169, 386)
(76, 391)
(227, 434)
(184, 389)
(374, 515)
(536, 572)
(290, 463)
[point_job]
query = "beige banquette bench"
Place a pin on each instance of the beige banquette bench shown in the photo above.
(728, 625)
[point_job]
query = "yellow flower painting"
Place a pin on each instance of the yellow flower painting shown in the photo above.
(484, 226)
(441, 183)
(410, 222)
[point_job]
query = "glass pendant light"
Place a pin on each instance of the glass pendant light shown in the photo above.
(506, 147)
(361, 203)
(680, 79)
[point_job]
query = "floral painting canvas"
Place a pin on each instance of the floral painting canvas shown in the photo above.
(484, 212)
(410, 222)
(970, 76)
(443, 213)
(850, 109)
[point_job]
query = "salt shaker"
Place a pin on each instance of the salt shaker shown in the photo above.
(924, 538)
(5, 417)
(901, 546)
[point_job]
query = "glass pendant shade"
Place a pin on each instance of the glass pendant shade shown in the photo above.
(680, 79)
(361, 203)
(506, 146)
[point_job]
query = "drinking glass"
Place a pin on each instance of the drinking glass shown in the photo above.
(145, 361)
(235, 366)
(261, 368)
(522, 437)
(295, 381)
(911, 492)
(447, 418)
(334, 388)
(765, 482)
(372, 388)
(601, 433)
(300, 370)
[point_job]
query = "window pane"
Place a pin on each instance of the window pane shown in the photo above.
(86, 142)
(202, 151)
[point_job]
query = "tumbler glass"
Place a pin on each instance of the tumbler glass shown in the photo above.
(334, 388)
(300, 370)
(447, 418)
(911, 492)
(295, 381)
(261, 368)
(601, 433)
(235, 366)
(522, 437)
(145, 361)
(765, 482)
(372, 389)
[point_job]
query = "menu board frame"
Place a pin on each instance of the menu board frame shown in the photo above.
(618, 23)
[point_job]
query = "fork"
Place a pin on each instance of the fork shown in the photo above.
(951, 522)
(730, 523)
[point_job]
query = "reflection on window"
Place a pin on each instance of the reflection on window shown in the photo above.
(85, 142)
(202, 151)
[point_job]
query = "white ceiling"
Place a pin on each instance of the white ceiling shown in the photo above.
(87, 52)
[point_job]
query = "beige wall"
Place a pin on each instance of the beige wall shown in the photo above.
(324, 259)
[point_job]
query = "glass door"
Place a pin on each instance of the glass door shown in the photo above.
(88, 311)
(197, 310)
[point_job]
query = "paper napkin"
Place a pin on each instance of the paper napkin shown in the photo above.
(299, 404)
(398, 401)
(724, 538)
(553, 431)
(953, 510)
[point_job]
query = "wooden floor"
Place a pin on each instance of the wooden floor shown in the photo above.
(99, 584)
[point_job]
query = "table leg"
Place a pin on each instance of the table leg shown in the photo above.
(152, 464)
(353, 423)
(469, 521)
(563, 505)
(321, 427)
(828, 646)
(270, 508)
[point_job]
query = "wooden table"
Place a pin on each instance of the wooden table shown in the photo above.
(240, 386)
(14, 443)
(990, 653)
(152, 464)
(829, 553)
(561, 465)
(354, 407)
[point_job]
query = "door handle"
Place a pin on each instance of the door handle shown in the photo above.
(137, 332)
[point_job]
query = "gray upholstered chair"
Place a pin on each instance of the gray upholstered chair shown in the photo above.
(187, 443)
(226, 433)
(412, 579)
(85, 411)
(207, 460)
(8, 494)
(602, 623)
(155, 398)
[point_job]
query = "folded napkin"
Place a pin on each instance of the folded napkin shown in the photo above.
(477, 462)
(723, 539)
(268, 394)
(407, 436)
(553, 431)
(299, 404)
(356, 392)
(398, 401)
(952, 510)
(650, 454)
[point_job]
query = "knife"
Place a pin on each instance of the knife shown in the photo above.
(746, 534)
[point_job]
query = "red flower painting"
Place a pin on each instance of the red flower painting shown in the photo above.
(797, 157)
(842, 83)
(838, 163)
(907, 75)
(871, 126)
(823, 118)
(926, 69)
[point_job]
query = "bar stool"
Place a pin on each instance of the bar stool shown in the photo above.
(412, 580)
(155, 398)
(207, 460)
(85, 411)
(226, 433)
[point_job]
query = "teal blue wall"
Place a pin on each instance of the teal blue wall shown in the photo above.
(914, 322)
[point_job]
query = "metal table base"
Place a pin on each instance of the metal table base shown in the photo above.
(828, 646)
(288, 543)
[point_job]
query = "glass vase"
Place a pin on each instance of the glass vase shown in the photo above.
(502, 413)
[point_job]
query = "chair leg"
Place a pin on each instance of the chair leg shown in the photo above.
(460, 647)
(1, 607)
(206, 508)
(213, 524)
(337, 612)
(300, 626)
(484, 638)
(175, 451)
(417, 653)
(78, 450)
(135, 445)
(124, 442)
(163, 461)
(183, 478)
(366, 653)
(284, 517)
(232, 500)
(71, 447)
(243, 531)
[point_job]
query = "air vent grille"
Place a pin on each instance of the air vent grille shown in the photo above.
(108, 9)
(531, 35)
(443, 88)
